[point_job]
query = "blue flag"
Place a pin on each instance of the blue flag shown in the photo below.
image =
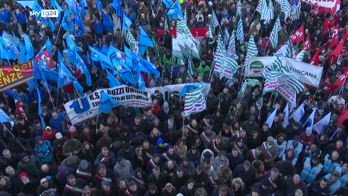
(8, 47)
(106, 102)
(13, 94)
(168, 3)
(98, 56)
(4, 117)
(71, 44)
(175, 11)
(144, 41)
(107, 22)
(126, 23)
(127, 77)
(67, 23)
(149, 67)
(39, 108)
(80, 64)
(72, 5)
(23, 55)
(116, 4)
(99, 5)
(28, 45)
(140, 80)
(113, 81)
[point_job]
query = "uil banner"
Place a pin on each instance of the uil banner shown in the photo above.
(87, 107)
(307, 73)
(11, 76)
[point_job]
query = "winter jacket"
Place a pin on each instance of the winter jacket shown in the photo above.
(44, 151)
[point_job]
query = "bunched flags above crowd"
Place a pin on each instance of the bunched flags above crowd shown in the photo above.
(273, 38)
(240, 31)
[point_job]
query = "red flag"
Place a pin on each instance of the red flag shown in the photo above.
(315, 58)
(298, 36)
(338, 49)
(334, 37)
(342, 117)
(306, 44)
(339, 82)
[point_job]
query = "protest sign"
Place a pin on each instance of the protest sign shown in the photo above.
(12, 76)
(307, 73)
(87, 107)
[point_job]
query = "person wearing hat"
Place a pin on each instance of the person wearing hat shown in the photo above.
(311, 168)
(48, 134)
(44, 185)
(58, 146)
(269, 151)
(84, 171)
(27, 184)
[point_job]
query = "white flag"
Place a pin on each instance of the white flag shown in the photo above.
(298, 114)
(321, 125)
(310, 120)
(286, 116)
(270, 118)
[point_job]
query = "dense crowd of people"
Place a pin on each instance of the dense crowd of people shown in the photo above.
(228, 149)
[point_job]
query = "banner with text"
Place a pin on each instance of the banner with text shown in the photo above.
(307, 73)
(11, 76)
(176, 88)
(87, 107)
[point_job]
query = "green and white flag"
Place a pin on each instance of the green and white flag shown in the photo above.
(219, 54)
(240, 31)
(229, 67)
(130, 40)
(252, 49)
(279, 78)
(214, 21)
(194, 101)
(267, 13)
(286, 8)
(300, 55)
(273, 38)
(186, 39)
(239, 8)
(296, 13)
(231, 48)
(261, 6)
(246, 84)
(289, 49)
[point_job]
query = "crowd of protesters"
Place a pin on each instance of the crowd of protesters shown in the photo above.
(225, 150)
